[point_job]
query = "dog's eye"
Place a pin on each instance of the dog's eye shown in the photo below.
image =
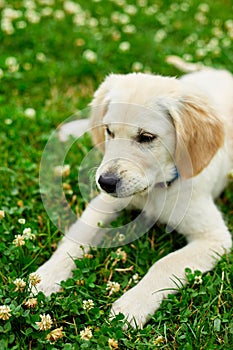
(145, 137)
(108, 131)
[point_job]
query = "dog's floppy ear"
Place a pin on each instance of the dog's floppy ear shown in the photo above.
(199, 132)
(99, 107)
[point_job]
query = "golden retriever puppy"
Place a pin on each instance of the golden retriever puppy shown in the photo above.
(168, 149)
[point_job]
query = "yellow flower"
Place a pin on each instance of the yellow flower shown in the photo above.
(55, 334)
(86, 334)
(45, 322)
(5, 312)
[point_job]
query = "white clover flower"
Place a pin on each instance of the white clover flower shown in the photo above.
(121, 18)
(90, 56)
(20, 284)
(22, 221)
(40, 56)
(184, 6)
(120, 3)
(113, 344)
(226, 42)
(137, 66)
(29, 4)
(11, 14)
(86, 334)
(27, 66)
(7, 26)
(163, 19)
(121, 237)
(5, 312)
(12, 64)
(113, 287)
(47, 11)
(217, 32)
(79, 19)
(174, 7)
(198, 279)
(11, 61)
(191, 38)
(136, 278)
(201, 52)
(116, 35)
(30, 303)
(59, 14)
(131, 9)
(93, 22)
(124, 46)
(201, 18)
(142, 3)
(8, 121)
(2, 214)
(55, 334)
(27, 233)
(32, 16)
(19, 240)
(151, 10)
(46, 2)
(71, 7)
(45, 323)
(34, 278)
(129, 29)
(204, 7)
(121, 254)
(88, 304)
(160, 35)
(62, 170)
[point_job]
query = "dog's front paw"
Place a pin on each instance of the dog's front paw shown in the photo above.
(137, 305)
(51, 276)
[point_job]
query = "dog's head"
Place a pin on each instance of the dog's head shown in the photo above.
(150, 126)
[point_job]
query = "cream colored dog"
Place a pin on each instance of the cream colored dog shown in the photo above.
(168, 149)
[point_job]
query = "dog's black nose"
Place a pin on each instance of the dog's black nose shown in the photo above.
(108, 182)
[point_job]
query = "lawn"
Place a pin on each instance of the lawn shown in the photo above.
(53, 55)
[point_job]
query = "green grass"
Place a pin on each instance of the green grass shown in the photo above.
(50, 73)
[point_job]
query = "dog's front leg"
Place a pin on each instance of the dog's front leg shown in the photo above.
(101, 210)
(208, 241)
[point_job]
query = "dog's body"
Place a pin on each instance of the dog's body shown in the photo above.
(170, 127)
